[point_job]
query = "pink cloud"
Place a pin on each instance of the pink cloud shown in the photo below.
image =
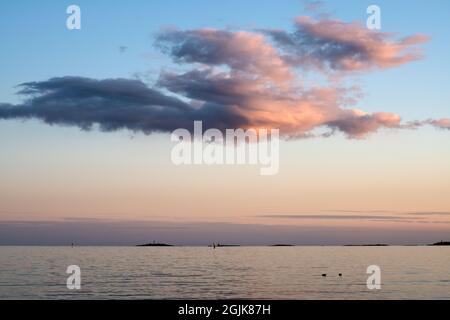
(334, 45)
(262, 85)
(441, 123)
(241, 51)
(237, 79)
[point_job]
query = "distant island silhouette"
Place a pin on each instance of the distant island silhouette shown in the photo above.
(154, 244)
(441, 243)
(219, 245)
(282, 245)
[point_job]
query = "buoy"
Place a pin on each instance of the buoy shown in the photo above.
(324, 274)
(340, 274)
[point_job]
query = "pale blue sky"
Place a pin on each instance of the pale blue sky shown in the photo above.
(55, 172)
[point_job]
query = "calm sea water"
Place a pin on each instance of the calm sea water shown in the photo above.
(224, 273)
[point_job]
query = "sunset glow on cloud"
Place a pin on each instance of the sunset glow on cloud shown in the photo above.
(237, 79)
(334, 45)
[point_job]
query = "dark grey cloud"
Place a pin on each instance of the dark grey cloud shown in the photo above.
(204, 85)
(112, 104)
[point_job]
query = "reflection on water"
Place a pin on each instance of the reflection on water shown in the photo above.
(224, 273)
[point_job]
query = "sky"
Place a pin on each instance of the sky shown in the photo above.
(85, 145)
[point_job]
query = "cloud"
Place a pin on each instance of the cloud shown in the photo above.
(429, 213)
(398, 214)
(241, 51)
(313, 6)
(296, 112)
(113, 104)
(334, 45)
(340, 217)
(360, 123)
(235, 79)
(258, 79)
(441, 123)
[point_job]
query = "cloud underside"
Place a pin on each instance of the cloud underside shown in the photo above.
(237, 79)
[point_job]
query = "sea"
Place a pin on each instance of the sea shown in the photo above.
(294, 273)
